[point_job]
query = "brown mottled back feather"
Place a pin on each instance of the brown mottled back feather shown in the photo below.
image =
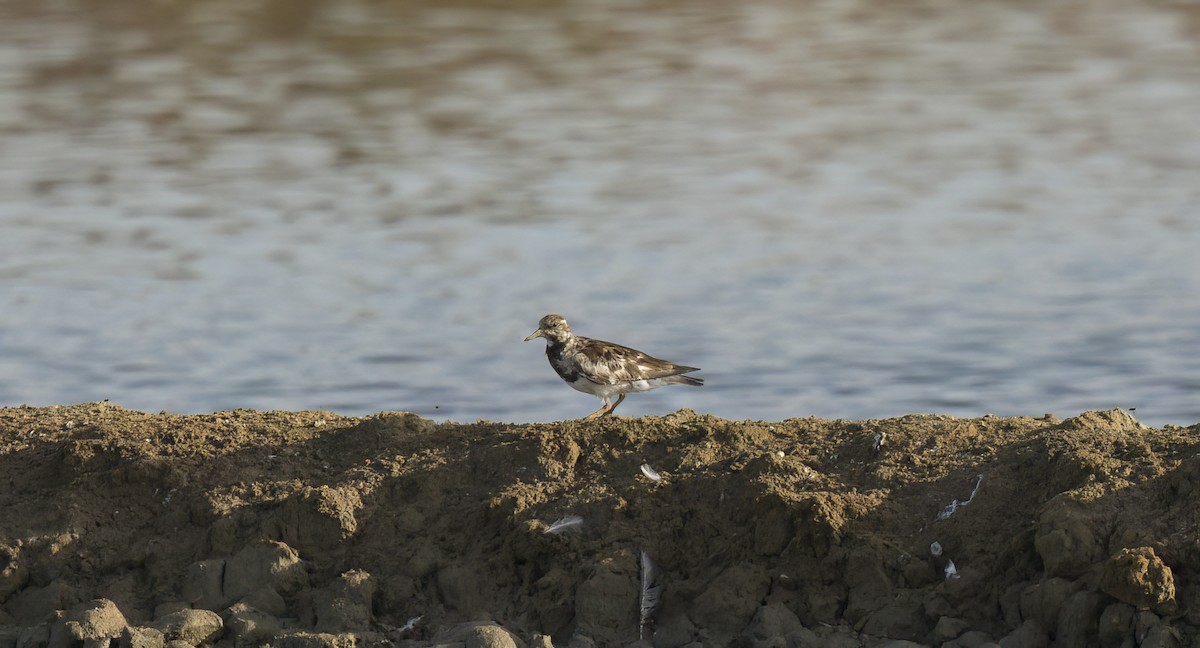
(606, 363)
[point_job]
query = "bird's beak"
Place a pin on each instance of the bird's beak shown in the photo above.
(535, 334)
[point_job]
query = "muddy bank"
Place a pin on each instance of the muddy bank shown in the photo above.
(312, 530)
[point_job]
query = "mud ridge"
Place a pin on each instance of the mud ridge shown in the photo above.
(313, 530)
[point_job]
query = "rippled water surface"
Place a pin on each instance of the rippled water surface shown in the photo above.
(840, 209)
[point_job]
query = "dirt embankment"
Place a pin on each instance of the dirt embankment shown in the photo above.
(311, 530)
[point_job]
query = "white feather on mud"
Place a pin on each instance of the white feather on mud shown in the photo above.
(954, 505)
(409, 625)
(651, 592)
(951, 570)
(943, 562)
(651, 473)
(568, 524)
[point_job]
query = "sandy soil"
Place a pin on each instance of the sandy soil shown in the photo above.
(308, 529)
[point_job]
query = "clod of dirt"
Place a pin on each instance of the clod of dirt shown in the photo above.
(193, 627)
(249, 626)
(1069, 538)
(137, 637)
(345, 604)
(13, 573)
(217, 583)
(96, 621)
(1116, 623)
(1137, 576)
(480, 635)
(1116, 419)
(1078, 620)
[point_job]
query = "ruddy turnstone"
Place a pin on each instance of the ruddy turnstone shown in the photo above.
(604, 369)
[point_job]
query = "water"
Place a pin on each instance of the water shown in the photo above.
(837, 209)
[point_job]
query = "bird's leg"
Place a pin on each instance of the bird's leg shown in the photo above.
(603, 410)
(614, 405)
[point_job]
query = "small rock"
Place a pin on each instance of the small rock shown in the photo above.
(169, 607)
(35, 637)
(37, 605)
(604, 603)
(203, 583)
(971, 639)
(101, 619)
(9, 636)
(137, 637)
(424, 560)
(300, 639)
(194, 627)
(838, 636)
(249, 626)
(13, 572)
(1027, 635)
(266, 600)
(217, 583)
(1078, 620)
(345, 605)
(730, 601)
(1010, 605)
(772, 531)
(479, 635)
(776, 621)
(898, 620)
(1042, 601)
(271, 565)
(1143, 621)
(459, 587)
(317, 519)
(373, 640)
(674, 630)
(97, 620)
(1162, 636)
(1114, 419)
(1116, 626)
(1069, 539)
(947, 629)
(1140, 578)
(490, 636)
(868, 582)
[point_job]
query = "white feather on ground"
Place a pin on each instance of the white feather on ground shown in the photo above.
(411, 624)
(651, 473)
(570, 523)
(650, 592)
(954, 505)
(951, 570)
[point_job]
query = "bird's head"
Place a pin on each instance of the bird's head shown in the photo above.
(553, 327)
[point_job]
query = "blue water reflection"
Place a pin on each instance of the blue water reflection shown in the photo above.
(980, 209)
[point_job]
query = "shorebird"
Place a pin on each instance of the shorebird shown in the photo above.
(604, 369)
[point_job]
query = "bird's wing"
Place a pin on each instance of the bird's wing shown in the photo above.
(606, 363)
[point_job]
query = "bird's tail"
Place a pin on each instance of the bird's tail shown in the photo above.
(688, 380)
